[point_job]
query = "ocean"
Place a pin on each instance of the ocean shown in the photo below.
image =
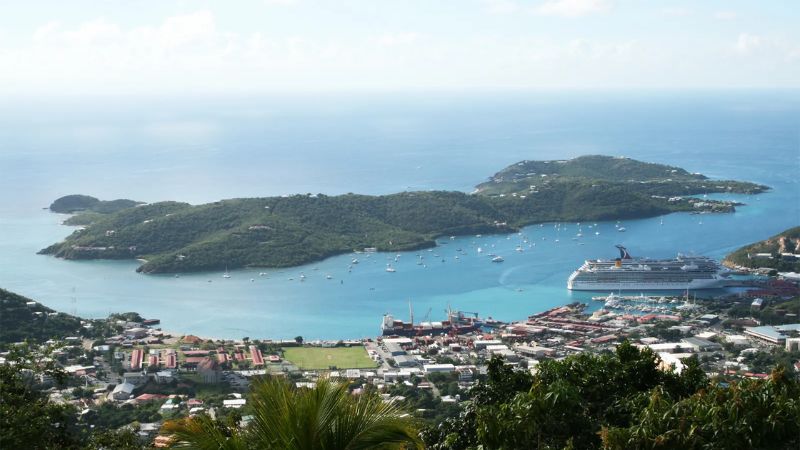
(204, 149)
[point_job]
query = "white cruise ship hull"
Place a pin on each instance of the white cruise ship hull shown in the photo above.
(579, 285)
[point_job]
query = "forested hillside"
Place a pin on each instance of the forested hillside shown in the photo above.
(289, 231)
(773, 253)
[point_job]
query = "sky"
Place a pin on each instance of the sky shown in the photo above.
(79, 47)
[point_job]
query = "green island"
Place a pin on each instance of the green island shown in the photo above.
(173, 237)
(780, 252)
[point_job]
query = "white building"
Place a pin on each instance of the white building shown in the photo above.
(443, 368)
(122, 391)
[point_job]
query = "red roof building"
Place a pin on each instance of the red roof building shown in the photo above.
(255, 355)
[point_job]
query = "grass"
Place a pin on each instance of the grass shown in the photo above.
(316, 358)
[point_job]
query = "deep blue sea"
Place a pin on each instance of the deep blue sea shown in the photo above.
(205, 149)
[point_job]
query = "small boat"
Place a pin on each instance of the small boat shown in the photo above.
(261, 274)
(252, 280)
(497, 259)
(597, 233)
(662, 222)
(621, 229)
(354, 261)
(480, 250)
(177, 276)
(226, 274)
(328, 277)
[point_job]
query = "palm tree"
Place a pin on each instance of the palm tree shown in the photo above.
(326, 417)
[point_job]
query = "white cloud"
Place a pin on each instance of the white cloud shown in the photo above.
(726, 15)
(98, 31)
(767, 47)
(501, 6)
(46, 31)
(572, 8)
(391, 39)
(748, 44)
(195, 52)
(280, 2)
(676, 12)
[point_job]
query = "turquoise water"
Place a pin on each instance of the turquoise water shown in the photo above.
(205, 149)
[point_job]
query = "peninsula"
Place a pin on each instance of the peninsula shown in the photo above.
(174, 237)
(780, 253)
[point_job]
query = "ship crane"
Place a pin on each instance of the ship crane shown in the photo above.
(427, 316)
(450, 312)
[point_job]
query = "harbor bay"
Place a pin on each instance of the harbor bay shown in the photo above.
(328, 299)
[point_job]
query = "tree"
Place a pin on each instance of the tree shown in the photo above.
(123, 439)
(298, 339)
(565, 404)
(751, 414)
(325, 417)
(27, 418)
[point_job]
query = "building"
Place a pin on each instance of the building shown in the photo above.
(209, 370)
(441, 368)
(122, 391)
(137, 356)
(482, 344)
(737, 340)
(766, 334)
(135, 333)
(701, 345)
(405, 361)
(671, 347)
(394, 349)
(134, 378)
(234, 403)
(465, 374)
(164, 376)
(792, 344)
(535, 351)
(673, 360)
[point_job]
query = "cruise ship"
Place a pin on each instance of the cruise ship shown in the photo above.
(642, 274)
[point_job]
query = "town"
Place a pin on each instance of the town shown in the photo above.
(126, 372)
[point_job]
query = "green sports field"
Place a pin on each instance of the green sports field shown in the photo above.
(312, 358)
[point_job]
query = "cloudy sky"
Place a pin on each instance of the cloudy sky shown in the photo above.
(186, 46)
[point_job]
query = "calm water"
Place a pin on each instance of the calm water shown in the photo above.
(204, 150)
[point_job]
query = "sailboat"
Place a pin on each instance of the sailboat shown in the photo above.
(226, 274)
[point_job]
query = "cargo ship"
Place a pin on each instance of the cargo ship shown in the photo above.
(627, 273)
(458, 322)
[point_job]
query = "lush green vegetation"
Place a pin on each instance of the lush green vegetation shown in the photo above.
(309, 358)
(36, 323)
(286, 418)
(622, 400)
(645, 178)
(289, 231)
(28, 419)
(785, 242)
(75, 203)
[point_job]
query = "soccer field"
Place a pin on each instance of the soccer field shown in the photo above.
(324, 358)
